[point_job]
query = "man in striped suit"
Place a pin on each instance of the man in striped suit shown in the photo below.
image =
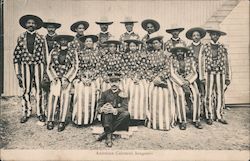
(29, 59)
(215, 70)
(61, 70)
(113, 107)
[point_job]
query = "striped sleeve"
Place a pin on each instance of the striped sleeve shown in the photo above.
(73, 70)
(202, 64)
(175, 76)
(228, 67)
(193, 75)
(50, 70)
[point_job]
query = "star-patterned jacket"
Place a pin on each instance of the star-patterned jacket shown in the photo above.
(171, 44)
(181, 71)
(214, 59)
(23, 56)
(63, 64)
(129, 35)
(102, 37)
(50, 42)
(196, 52)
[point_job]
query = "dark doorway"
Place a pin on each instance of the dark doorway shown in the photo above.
(1, 48)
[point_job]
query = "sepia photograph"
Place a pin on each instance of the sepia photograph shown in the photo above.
(124, 80)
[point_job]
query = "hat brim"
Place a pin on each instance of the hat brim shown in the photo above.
(76, 24)
(103, 23)
(221, 33)
(155, 24)
(65, 37)
(174, 50)
(137, 42)
(38, 21)
(56, 25)
(190, 32)
(113, 42)
(93, 37)
(174, 29)
(126, 22)
(154, 38)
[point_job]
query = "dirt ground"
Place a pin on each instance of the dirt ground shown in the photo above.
(14, 135)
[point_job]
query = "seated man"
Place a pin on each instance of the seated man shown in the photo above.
(113, 107)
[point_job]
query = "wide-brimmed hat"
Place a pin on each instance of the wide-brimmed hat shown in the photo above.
(76, 24)
(23, 20)
(190, 32)
(112, 41)
(65, 37)
(179, 46)
(221, 33)
(174, 27)
(154, 22)
(104, 20)
(154, 38)
(93, 37)
(128, 20)
(134, 41)
(52, 23)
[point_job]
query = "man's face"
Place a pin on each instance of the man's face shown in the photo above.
(175, 34)
(180, 54)
(129, 27)
(112, 48)
(80, 29)
(51, 29)
(196, 36)
(63, 42)
(114, 85)
(104, 27)
(89, 43)
(214, 36)
(132, 46)
(150, 28)
(31, 25)
(156, 44)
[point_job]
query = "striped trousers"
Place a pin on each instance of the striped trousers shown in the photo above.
(32, 75)
(58, 94)
(161, 110)
(180, 101)
(138, 98)
(85, 103)
(215, 83)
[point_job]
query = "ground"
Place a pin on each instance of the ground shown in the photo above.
(14, 135)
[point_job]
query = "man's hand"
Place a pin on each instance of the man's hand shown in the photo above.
(106, 108)
(227, 82)
(157, 81)
(65, 83)
(203, 81)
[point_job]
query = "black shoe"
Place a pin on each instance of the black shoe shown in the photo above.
(24, 119)
(50, 125)
(61, 126)
(102, 136)
(198, 125)
(223, 121)
(209, 121)
(41, 118)
(109, 140)
(183, 126)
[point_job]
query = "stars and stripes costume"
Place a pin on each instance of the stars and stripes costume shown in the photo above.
(172, 43)
(29, 59)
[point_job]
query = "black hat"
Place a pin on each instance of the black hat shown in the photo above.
(76, 24)
(221, 33)
(155, 23)
(179, 46)
(66, 37)
(190, 32)
(113, 42)
(93, 37)
(56, 25)
(154, 38)
(137, 42)
(23, 20)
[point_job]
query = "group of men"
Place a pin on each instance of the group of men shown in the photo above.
(93, 74)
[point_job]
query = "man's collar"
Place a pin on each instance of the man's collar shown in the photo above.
(131, 32)
(175, 39)
(33, 32)
(51, 35)
(212, 42)
(104, 32)
(196, 43)
(64, 47)
(117, 90)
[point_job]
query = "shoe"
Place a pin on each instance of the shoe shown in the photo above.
(183, 126)
(41, 118)
(109, 140)
(61, 126)
(209, 121)
(24, 119)
(101, 136)
(50, 125)
(198, 125)
(223, 121)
